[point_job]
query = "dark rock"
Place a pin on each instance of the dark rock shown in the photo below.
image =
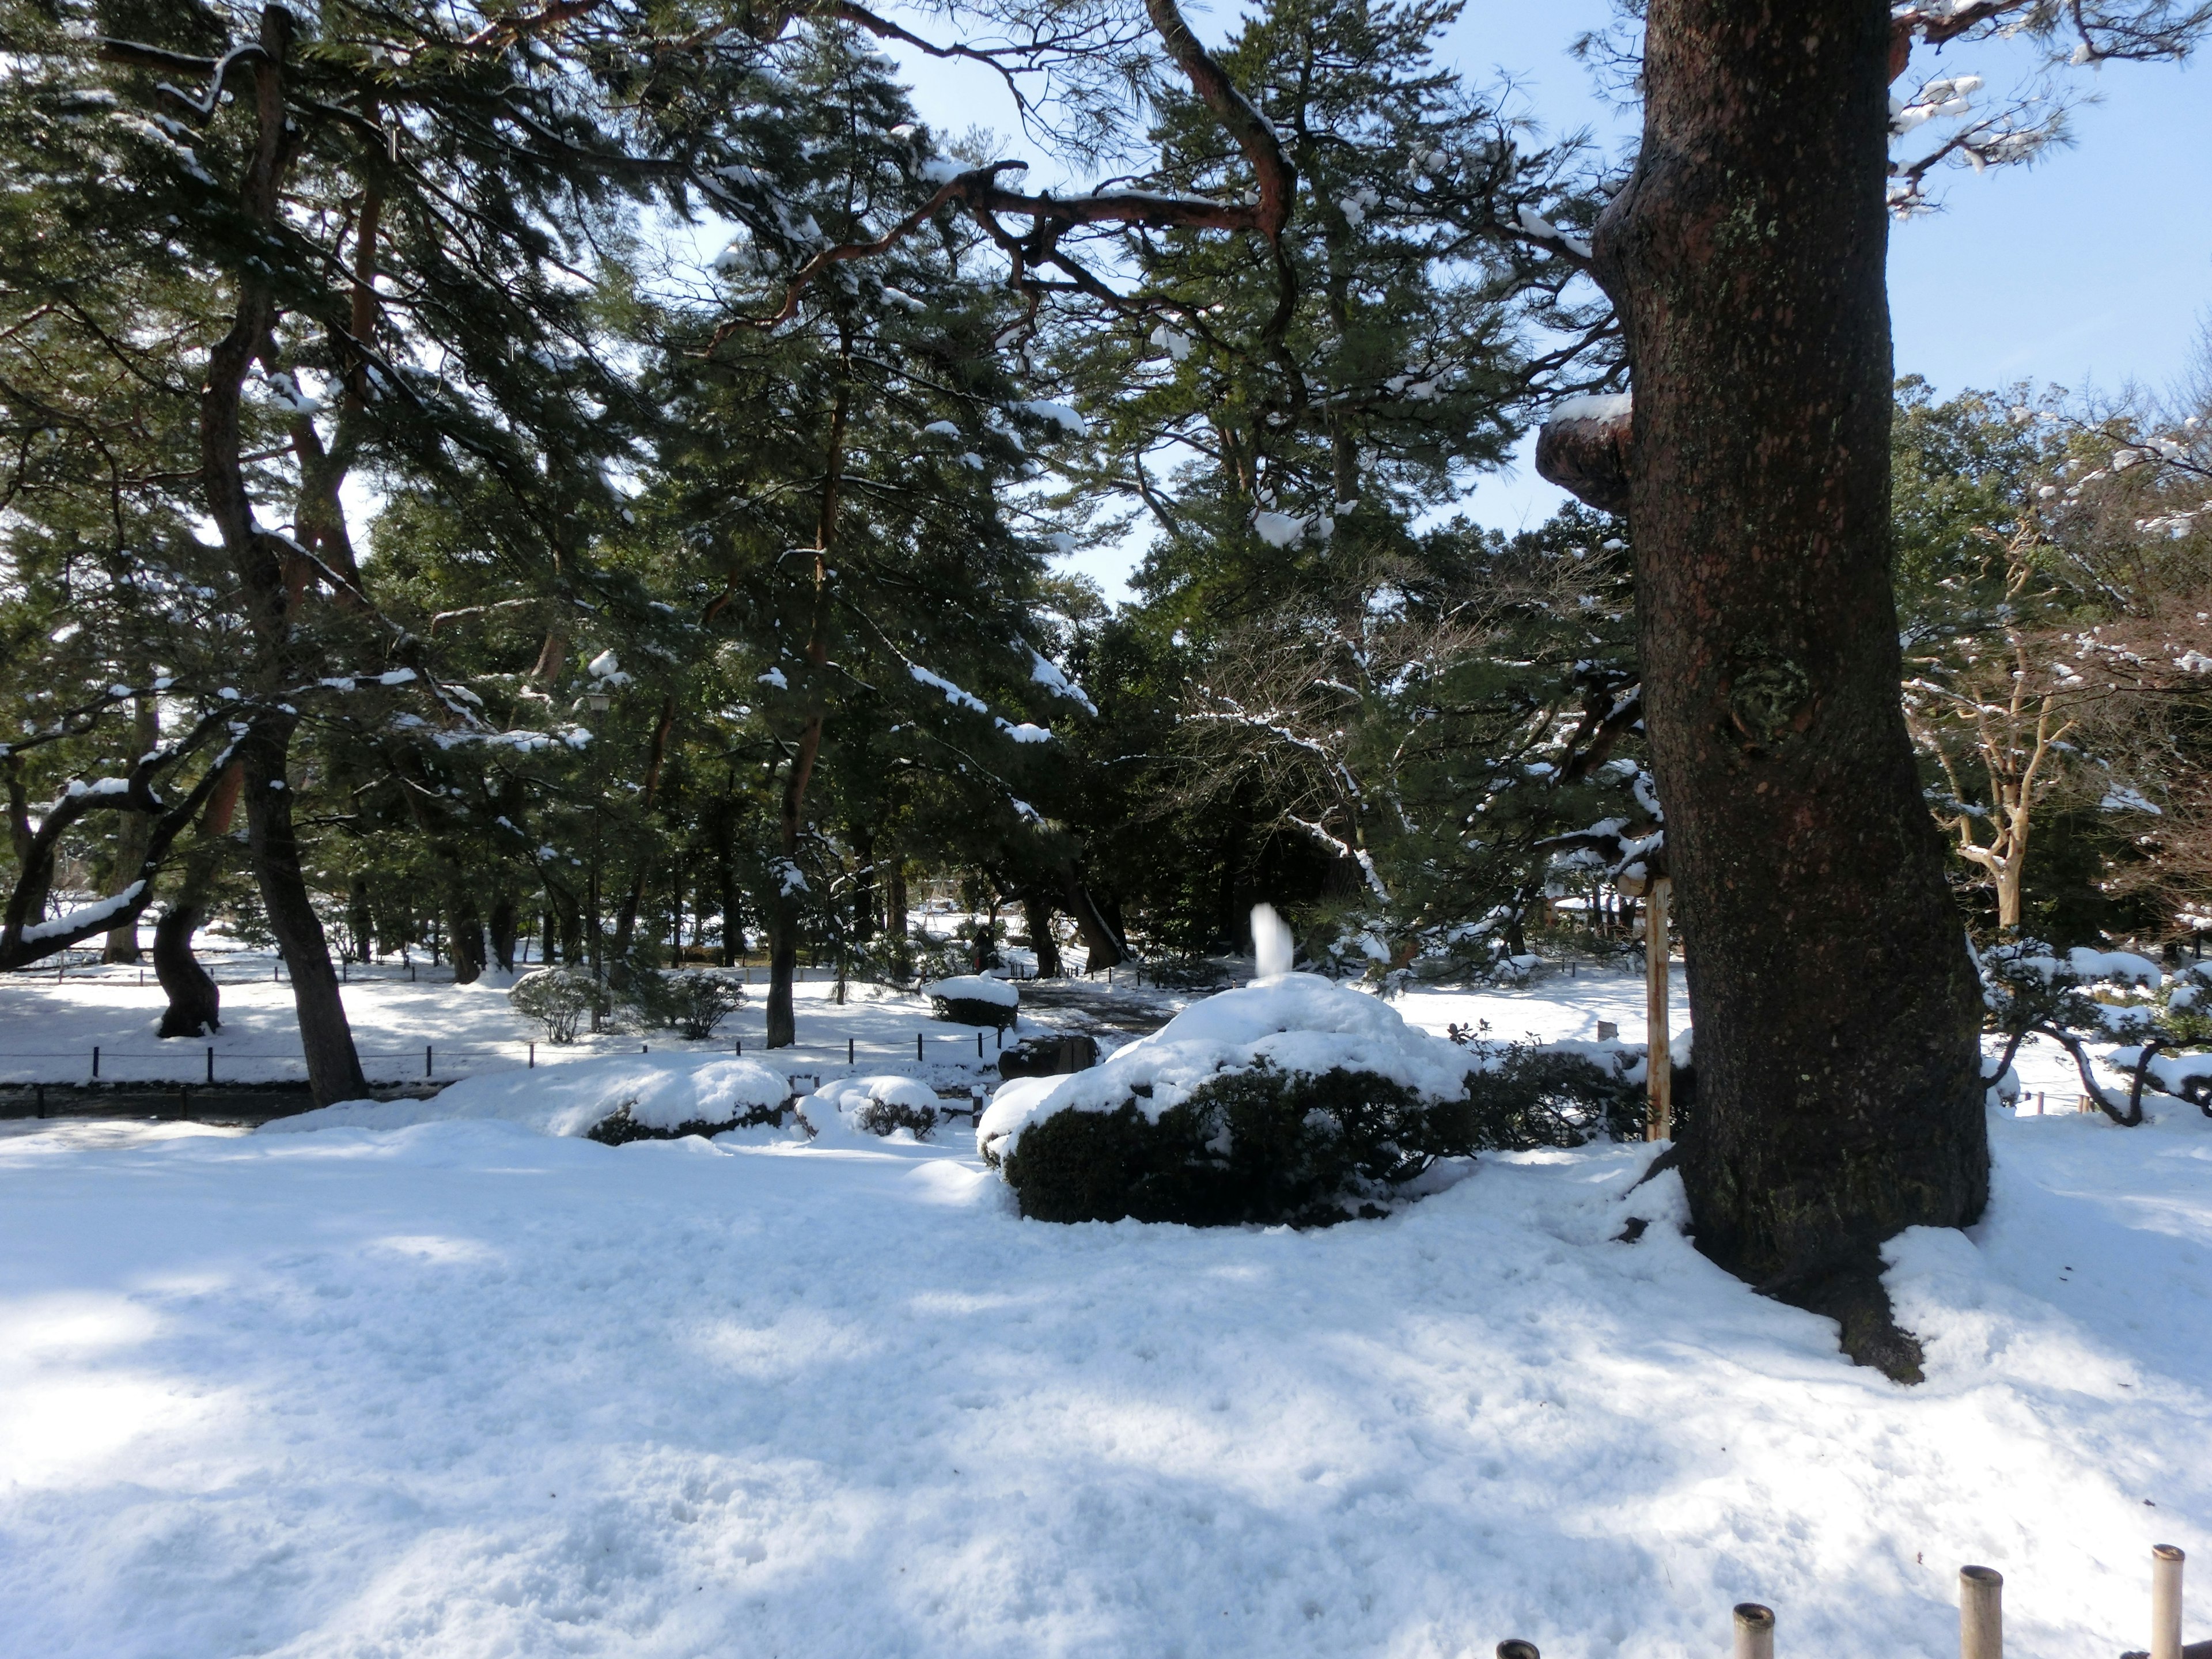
(1049, 1056)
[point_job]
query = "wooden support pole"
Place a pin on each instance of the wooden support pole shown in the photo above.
(2166, 1561)
(1981, 1613)
(1754, 1630)
(1659, 1065)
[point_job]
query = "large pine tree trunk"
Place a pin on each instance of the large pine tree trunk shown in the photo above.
(504, 927)
(465, 933)
(1036, 913)
(783, 907)
(1838, 1079)
(333, 1066)
(195, 1005)
(134, 835)
(1102, 941)
(783, 910)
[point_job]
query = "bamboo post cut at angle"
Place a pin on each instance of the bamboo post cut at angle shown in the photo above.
(1754, 1630)
(1981, 1613)
(1514, 1648)
(1659, 1064)
(2166, 1561)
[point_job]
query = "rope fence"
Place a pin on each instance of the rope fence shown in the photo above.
(433, 1061)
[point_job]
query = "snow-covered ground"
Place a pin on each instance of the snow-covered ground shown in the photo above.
(462, 1389)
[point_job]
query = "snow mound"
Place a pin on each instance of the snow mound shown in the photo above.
(974, 987)
(661, 1091)
(1296, 1022)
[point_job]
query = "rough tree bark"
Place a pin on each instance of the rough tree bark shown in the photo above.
(1839, 1098)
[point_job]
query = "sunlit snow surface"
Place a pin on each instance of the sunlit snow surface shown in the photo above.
(461, 1388)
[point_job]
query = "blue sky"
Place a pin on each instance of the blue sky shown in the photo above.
(2091, 269)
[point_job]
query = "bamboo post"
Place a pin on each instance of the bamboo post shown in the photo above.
(1981, 1613)
(1514, 1648)
(2166, 1561)
(1754, 1630)
(1658, 1065)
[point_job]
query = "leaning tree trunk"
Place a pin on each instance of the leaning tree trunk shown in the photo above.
(195, 1005)
(1839, 1098)
(333, 1066)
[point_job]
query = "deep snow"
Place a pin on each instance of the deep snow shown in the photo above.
(463, 1388)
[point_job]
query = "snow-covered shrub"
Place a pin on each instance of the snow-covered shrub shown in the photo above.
(974, 999)
(872, 1105)
(2189, 1004)
(682, 1099)
(2030, 987)
(1254, 1145)
(1535, 1095)
(559, 998)
(691, 1003)
(1292, 1100)
(625, 1125)
(611, 1098)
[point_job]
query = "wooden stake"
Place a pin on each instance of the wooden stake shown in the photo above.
(1658, 1064)
(2165, 1602)
(1981, 1613)
(1754, 1630)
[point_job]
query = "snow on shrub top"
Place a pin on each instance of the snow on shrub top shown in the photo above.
(662, 1091)
(974, 987)
(2119, 967)
(1295, 1022)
